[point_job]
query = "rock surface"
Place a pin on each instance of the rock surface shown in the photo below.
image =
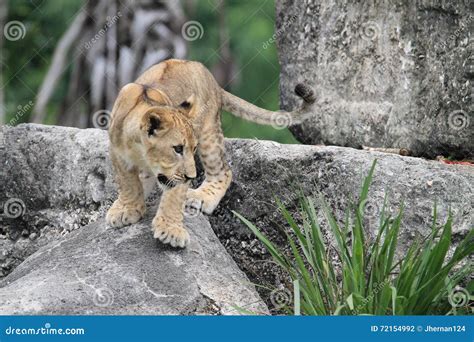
(100, 270)
(263, 169)
(56, 180)
(400, 80)
(52, 181)
(40, 159)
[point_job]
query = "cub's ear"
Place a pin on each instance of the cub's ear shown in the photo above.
(152, 123)
(188, 104)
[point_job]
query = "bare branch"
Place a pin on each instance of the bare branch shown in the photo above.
(57, 67)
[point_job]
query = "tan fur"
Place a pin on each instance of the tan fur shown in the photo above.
(175, 103)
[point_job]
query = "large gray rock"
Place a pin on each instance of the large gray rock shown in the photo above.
(58, 180)
(100, 270)
(386, 73)
(264, 170)
(55, 180)
(40, 159)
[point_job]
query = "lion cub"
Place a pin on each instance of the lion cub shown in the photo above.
(157, 125)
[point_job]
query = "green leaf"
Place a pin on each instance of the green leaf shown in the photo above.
(366, 278)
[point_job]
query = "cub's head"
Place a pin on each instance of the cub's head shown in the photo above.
(169, 145)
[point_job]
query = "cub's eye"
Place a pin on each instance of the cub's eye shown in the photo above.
(178, 149)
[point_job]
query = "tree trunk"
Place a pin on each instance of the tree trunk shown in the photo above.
(58, 66)
(110, 43)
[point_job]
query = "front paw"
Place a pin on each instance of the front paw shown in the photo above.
(170, 232)
(120, 215)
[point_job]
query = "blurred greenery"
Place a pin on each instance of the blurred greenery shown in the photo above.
(250, 24)
(27, 60)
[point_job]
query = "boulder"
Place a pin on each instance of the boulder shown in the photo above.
(385, 73)
(101, 270)
(52, 181)
(263, 170)
(56, 180)
(67, 169)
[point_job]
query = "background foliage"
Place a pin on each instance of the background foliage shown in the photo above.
(250, 24)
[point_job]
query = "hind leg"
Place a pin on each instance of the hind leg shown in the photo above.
(218, 174)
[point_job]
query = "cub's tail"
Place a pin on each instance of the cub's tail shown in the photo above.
(250, 112)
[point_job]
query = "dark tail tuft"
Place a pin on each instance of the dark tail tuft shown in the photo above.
(305, 92)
